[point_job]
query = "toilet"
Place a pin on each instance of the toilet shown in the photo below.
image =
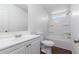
(46, 46)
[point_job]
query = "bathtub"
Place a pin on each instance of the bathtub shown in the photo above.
(62, 42)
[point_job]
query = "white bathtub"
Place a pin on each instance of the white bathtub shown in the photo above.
(62, 42)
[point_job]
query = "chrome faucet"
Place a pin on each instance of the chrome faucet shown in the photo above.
(18, 35)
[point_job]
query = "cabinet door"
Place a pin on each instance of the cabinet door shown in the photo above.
(20, 50)
(34, 48)
(27, 50)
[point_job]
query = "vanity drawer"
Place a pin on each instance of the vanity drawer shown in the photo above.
(33, 40)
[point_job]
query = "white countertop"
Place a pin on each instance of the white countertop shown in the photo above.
(7, 42)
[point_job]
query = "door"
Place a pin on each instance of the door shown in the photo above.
(20, 50)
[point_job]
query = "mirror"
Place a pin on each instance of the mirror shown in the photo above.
(13, 17)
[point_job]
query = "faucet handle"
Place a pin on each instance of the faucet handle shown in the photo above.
(18, 35)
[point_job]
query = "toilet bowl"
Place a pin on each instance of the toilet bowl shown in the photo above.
(46, 46)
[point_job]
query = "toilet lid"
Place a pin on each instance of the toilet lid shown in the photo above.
(48, 43)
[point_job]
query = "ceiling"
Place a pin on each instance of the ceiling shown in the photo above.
(55, 7)
(22, 6)
(49, 7)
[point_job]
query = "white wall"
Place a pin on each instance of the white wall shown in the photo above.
(17, 19)
(75, 21)
(37, 19)
(3, 17)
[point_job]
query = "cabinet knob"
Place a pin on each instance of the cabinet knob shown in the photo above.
(28, 45)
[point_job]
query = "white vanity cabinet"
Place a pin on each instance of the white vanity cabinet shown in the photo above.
(31, 46)
(34, 46)
(21, 50)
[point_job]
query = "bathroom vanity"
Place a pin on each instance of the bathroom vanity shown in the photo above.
(27, 44)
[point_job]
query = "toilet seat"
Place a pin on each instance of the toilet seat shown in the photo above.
(48, 43)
